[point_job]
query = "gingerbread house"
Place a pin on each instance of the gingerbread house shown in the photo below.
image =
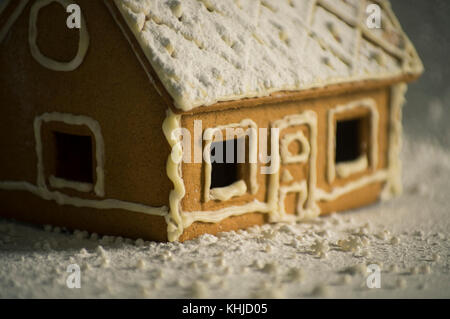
(91, 115)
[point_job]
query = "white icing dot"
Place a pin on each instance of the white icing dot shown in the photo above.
(176, 9)
(101, 251)
(140, 264)
(105, 262)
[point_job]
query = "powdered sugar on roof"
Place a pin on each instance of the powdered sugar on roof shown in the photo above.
(206, 51)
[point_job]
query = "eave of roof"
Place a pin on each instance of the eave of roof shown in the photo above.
(301, 95)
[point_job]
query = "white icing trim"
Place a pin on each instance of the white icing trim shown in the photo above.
(63, 199)
(56, 182)
(69, 119)
(286, 176)
(252, 149)
(286, 155)
(217, 216)
(297, 187)
(238, 188)
(344, 170)
(374, 120)
(13, 18)
(83, 43)
(337, 192)
(310, 210)
(174, 221)
(393, 186)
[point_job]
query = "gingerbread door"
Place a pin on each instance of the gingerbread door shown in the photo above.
(295, 179)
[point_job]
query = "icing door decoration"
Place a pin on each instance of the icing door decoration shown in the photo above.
(294, 153)
(295, 182)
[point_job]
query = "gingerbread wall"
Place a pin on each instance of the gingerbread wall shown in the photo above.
(111, 87)
(264, 115)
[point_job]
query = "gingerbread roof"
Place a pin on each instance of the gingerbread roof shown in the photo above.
(206, 51)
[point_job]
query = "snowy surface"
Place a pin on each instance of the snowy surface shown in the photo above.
(407, 237)
(205, 51)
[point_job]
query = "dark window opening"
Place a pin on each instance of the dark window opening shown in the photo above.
(351, 139)
(74, 157)
(226, 169)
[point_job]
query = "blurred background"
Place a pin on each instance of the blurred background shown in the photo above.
(427, 112)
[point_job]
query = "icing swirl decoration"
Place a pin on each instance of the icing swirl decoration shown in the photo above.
(83, 43)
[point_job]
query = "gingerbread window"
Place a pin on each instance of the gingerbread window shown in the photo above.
(230, 168)
(352, 141)
(352, 136)
(70, 153)
(73, 158)
(230, 162)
